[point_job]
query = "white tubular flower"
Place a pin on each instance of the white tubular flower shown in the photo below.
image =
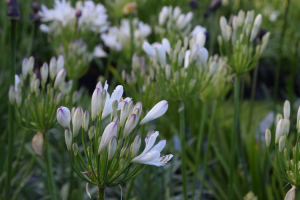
(286, 109)
(85, 122)
(130, 125)
(286, 124)
(268, 137)
(96, 102)
(92, 132)
(135, 146)
(112, 147)
(30, 65)
(99, 85)
(176, 12)
(281, 143)
(68, 138)
(77, 121)
(60, 63)
(161, 54)
(187, 58)
(203, 55)
(151, 155)
(279, 130)
(25, 68)
(180, 21)
(188, 18)
(53, 68)
(201, 39)
(148, 49)
(195, 52)
(256, 26)
(115, 96)
(44, 73)
(110, 131)
(63, 116)
(17, 81)
(166, 44)
(12, 94)
(158, 110)
(124, 113)
(60, 78)
(99, 52)
(163, 15)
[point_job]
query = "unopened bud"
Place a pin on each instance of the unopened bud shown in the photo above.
(96, 102)
(286, 109)
(19, 98)
(114, 106)
(72, 112)
(158, 110)
(135, 146)
(60, 63)
(59, 98)
(110, 131)
(281, 143)
(279, 130)
(99, 85)
(36, 85)
(68, 138)
(130, 107)
(112, 147)
(63, 117)
(268, 137)
(75, 148)
(123, 151)
(30, 65)
(77, 120)
(92, 132)
(103, 101)
(279, 117)
(130, 125)
(124, 113)
(139, 105)
(13, 12)
(60, 78)
(69, 86)
(25, 68)
(85, 123)
(44, 73)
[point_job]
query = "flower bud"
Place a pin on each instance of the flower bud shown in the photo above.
(130, 107)
(59, 98)
(99, 85)
(53, 68)
(19, 98)
(255, 28)
(75, 148)
(92, 132)
(281, 143)
(286, 123)
(96, 102)
(203, 55)
(17, 82)
(135, 146)
(36, 85)
(163, 15)
(69, 86)
(268, 137)
(63, 117)
(130, 125)
(60, 63)
(112, 147)
(279, 117)
(114, 106)
(12, 94)
(103, 101)
(72, 112)
(30, 65)
(148, 49)
(200, 39)
(161, 54)
(279, 130)
(13, 12)
(25, 68)
(44, 73)
(187, 58)
(166, 44)
(124, 113)
(139, 105)
(68, 138)
(60, 78)
(85, 123)
(168, 71)
(158, 110)
(110, 131)
(77, 121)
(286, 109)
(123, 151)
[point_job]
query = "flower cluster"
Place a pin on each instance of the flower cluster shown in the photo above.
(237, 41)
(111, 153)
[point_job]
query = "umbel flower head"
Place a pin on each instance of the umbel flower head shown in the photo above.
(111, 155)
(36, 99)
(238, 41)
(288, 157)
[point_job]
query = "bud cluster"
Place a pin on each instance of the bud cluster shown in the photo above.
(37, 96)
(112, 149)
(238, 41)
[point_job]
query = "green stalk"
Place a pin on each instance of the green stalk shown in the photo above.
(71, 184)
(101, 193)
(252, 97)
(11, 132)
(199, 142)
(234, 134)
(207, 146)
(183, 153)
(131, 36)
(49, 168)
(129, 189)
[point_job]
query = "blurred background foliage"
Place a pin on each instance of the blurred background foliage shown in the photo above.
(254, 171)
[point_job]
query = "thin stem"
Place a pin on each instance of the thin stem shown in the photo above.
(71, 183)
(207, 146)
(234, 134)
(49, 168)
(101, 193)
(129, 189)
(252, 96)
(11, 132)
(183, 153)
(131, 36)
(199, 142)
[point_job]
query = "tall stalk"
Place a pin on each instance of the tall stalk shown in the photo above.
(101, 193)
(253, 89)
(198, 147)
(233, 135)
(11, 132)
(183, 152)
(132, 48)
(211, 123)
(49, 170)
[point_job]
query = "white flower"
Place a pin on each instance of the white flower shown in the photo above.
(17, 81)
(187, 58)
(77, 120)
(203, 55)
(161, 54)
(63, 116)
(151, 155)
(60, 78)
(286, 109)
(109, 132)
(111, 39)
(198, 29)
(158, 110)
(166, 44)
(148, 49)
(143, 31)
(163, 15)
(99, 52)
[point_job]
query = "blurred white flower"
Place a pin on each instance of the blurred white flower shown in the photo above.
(99, 52)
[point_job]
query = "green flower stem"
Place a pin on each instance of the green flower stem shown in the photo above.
(199, 142)
(70, 184)
(183, 153)
(49, 170)
(252, 97)
(129, 189)
(211, 123)
(233, 135)
(132, 49)
(109, 59)
(101, 193)
(11, 132)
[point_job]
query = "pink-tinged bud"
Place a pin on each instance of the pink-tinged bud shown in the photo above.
(60, 78)
(112, 147)
(110, 131)
(63, 117)
(158, 110)
(68, 138)
(130, 125)
(99, 85)
(96, 102)
(77, 120)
